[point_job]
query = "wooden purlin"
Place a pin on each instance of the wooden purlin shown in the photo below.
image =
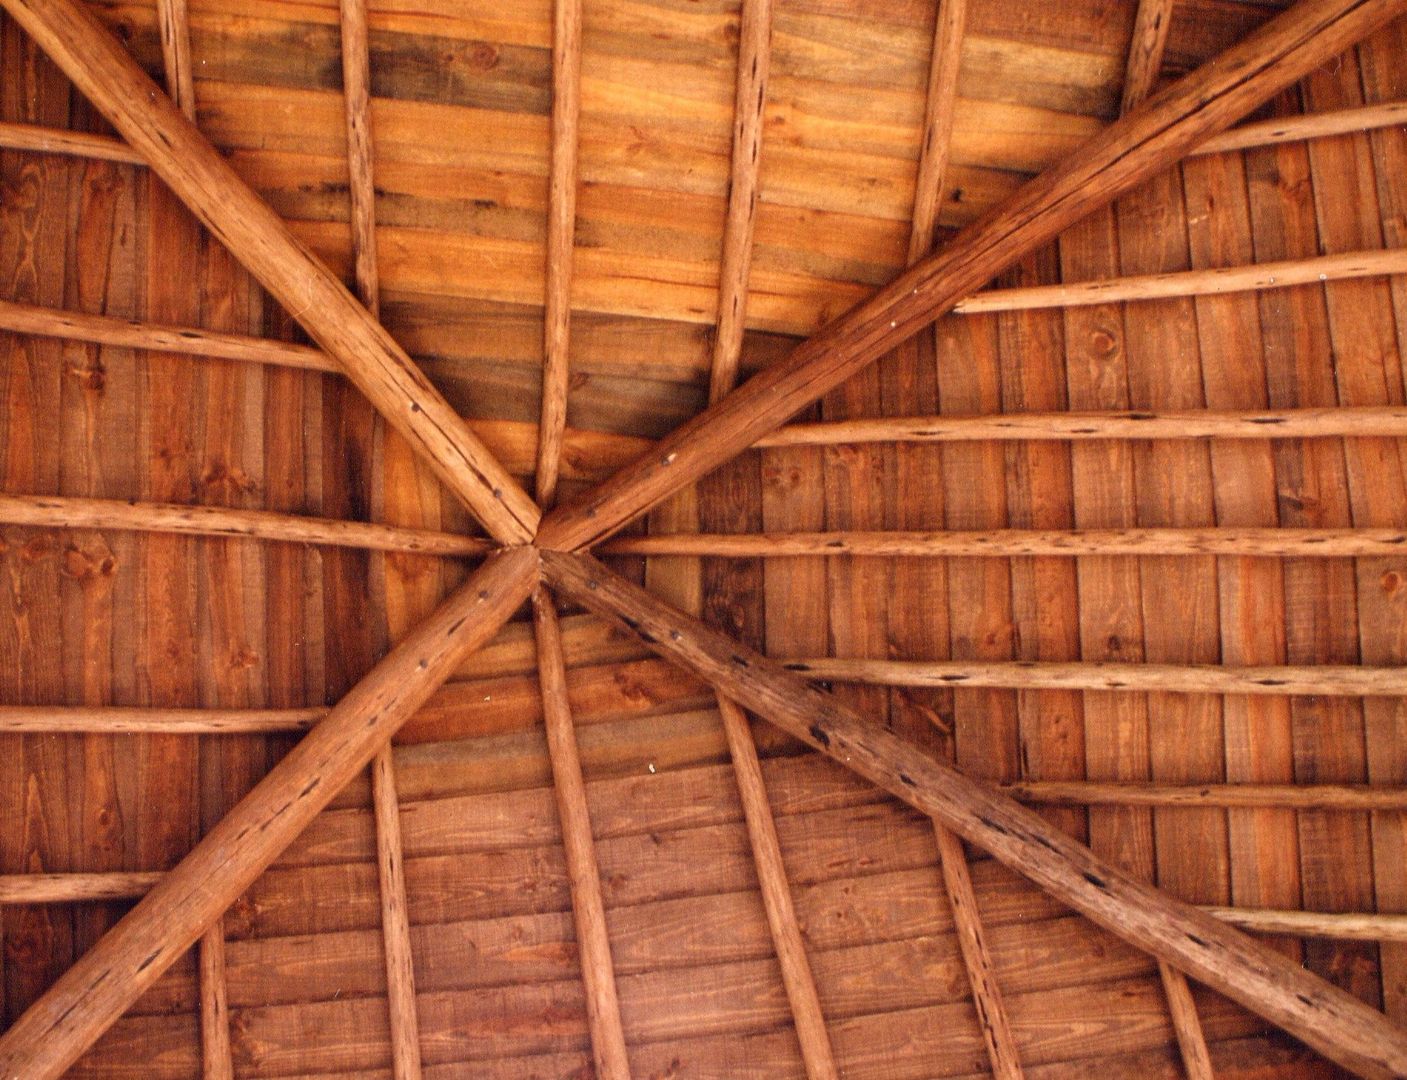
(584, 874)
(1006, 543)
(1201, 282)
(749, 108)
(60, 512)
(199, 174)
(1243, 424)
(1295, 680)
(1128, 152)
(97, 989)
(1339, 1026)
(561, 243)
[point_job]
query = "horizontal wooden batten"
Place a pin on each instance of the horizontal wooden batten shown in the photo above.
(126, 333)
(1326, 680)
(1333, 1022)
(1230, 279)
(1281, 543)
(1310, 126)
(61, 512)
(47, 140)
(77, 888)
(131, 720)
(1345, 926)
(1389, 421)
(1282, 796)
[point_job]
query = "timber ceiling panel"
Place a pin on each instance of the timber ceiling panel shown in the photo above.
(462, 148)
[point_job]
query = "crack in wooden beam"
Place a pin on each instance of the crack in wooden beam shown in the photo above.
(583, 872)
(65, 512)
(1334, 1023)
(1128, 152)
(201, 177)
(561, 242)
(86, 999)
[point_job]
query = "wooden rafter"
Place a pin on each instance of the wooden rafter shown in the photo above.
(63, 512)
(255, 235)
(1151, 24)
(1009, 543)
(561, 242)
(583, 871)
(749, 105)
(402, 505)
(395, 919)
(797, 978)
(945, 63)
(174, 22)
(1336, 1024)
(99, 987)
(735, 268)
(216, 1055)
(1126, 153)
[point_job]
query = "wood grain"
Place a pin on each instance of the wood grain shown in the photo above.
(1331, 1021)
(597, 969)
(96, 990)
(1126, 153)
(46, 511)
(198, 173)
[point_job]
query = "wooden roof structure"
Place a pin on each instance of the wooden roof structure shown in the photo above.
(637, 538)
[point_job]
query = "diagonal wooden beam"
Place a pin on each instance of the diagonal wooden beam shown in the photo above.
(1151, 24)
(63, 1023)
(1128, 152)
(1339, 1026)
(254, 234)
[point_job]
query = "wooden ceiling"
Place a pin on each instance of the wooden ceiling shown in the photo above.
(1122, 538)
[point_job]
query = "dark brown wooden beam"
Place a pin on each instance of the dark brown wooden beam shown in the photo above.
(93, 993)
(1331, 1021)
(1128, 152)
